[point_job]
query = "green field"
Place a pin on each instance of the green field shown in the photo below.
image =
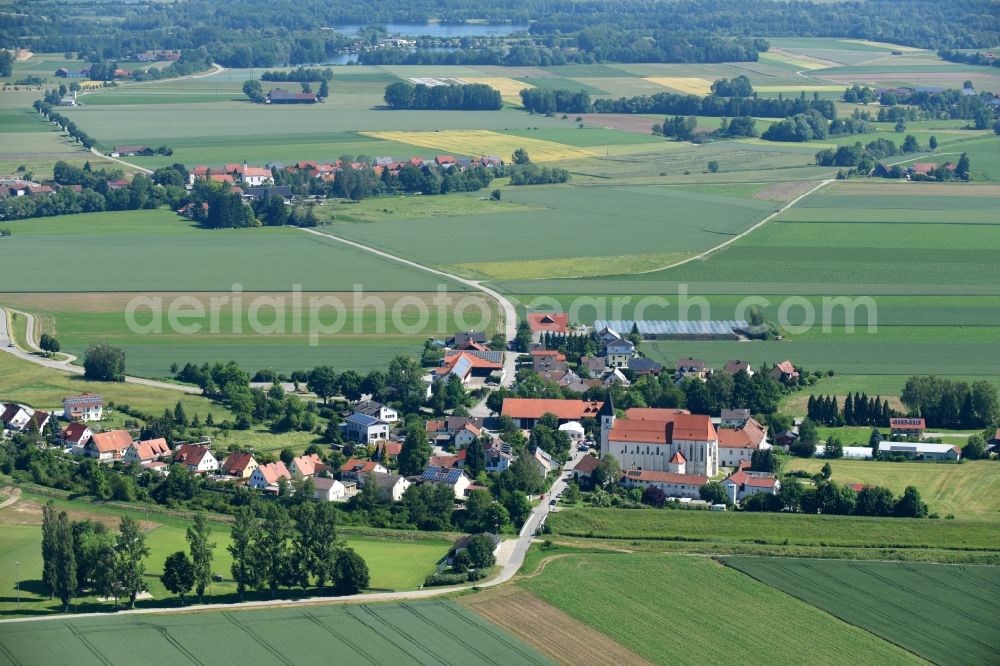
(945, 614)
(573, 221)
(970, 491)
(776, 529)
(418, 632)
(675, 609)
(395, 562)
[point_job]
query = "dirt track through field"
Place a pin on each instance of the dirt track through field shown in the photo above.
(549, 630)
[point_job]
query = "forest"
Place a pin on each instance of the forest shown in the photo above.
(243, 33)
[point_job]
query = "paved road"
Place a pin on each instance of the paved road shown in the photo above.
(64, 365)
(509, 314)
(509, 568)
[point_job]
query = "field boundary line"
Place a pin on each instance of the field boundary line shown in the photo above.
(721, 246)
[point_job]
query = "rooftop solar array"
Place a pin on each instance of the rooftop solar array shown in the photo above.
(667, 327)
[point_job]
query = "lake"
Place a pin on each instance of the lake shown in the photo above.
(440, 30)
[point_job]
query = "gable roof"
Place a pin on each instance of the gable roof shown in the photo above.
(678, 459)
(364, 420)
(274, 471)
(750, 436)
(308, 465)
(112, 440)
(83, 401)
(536, 408)
(74, 432)
(440, 474)
(152, 448)
(190, 454)
(358, 466)
(586, 465)
(237, 461)
(548, 322)
(652, 476)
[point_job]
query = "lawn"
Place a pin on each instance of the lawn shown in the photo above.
(416, 632)
(692, 610)
(945, 614)
(778, 529)
(969, 491)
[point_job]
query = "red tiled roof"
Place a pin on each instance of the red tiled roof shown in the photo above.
(678, 459)
(750, 436)
(308, 465)
(358, 466)
(653, 414)
(651, 476)
(906, 424)
(646, 432)
(274, 471)
(551, 322)
(152, 448)
(536, 408)
(786, 367)
(74, 432)
(761, 482)
(236, 462)
(436, 425)
(693, 427)
(190, 454)
(113, 440)
(587, 464)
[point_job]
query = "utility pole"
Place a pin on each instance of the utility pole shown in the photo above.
(18, 565)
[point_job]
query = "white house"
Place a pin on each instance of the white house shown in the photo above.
(742, 484)
(355, 468)
(672, 485)
(329, 490)
(76, 435)
(196, 458)
(365, 429)
(455, 478)
(920, 450)
(266, 476)
(544, 462)
(390, 486)
(15, 417)
(498, 460)
(738, 442)
(574, 430)
(619, 353)
(466, 435)
(83, 407)
(377, 410)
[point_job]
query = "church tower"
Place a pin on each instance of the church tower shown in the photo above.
(607, 415)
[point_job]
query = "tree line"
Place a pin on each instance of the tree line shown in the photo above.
(946, 403)
(463, 97)
(859, 410)
(299, 74)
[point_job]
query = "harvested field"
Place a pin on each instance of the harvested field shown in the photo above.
(475, 143)
(625, 122)
(690, 85)
(508, 87)
(797, 59)
(884, 45)
(549, 630)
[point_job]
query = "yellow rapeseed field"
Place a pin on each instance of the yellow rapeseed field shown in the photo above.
(686, 84)
(475, 143)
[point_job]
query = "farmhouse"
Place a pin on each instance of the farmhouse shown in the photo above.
(196, 458)
(83, 407)
(239, 464)
(920, 450)
(282, 96)
(108, 446)
(785, 372)
(647, 439)
(365, 429)
(266, 477)
(470, 364)
(548, 322)
(673, 485)
(906, 427)
(738, 444)
(742, 484)
(526, 411)
(131, 151)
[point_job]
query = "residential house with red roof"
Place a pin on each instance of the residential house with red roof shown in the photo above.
(672, 485)
(742, 484)
(304, 467)
(738, 444)
(83, 407)
(785, 372)
(548, 322)
(76, 435)
(907, 427)
(108, 446)
(527, 411)
(355, 468)
(266, 477)
(146, 451)
(196, 457)
(239, 464)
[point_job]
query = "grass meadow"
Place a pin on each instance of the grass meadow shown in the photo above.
(969, 491)
(956, 605)
(415, 632)
(696, 527)
(705, 606)
(394, 563)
